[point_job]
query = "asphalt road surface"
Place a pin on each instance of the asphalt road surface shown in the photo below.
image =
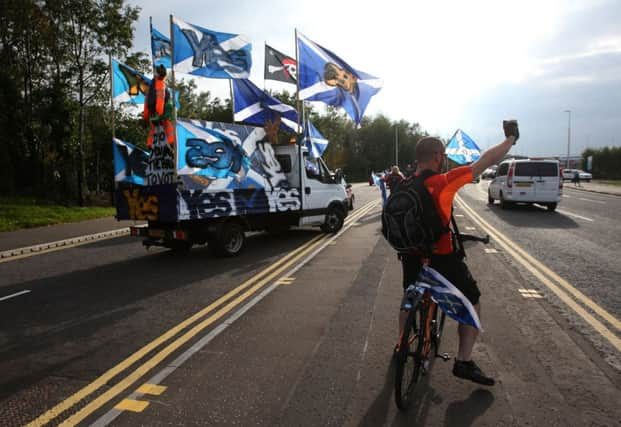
(299, 329)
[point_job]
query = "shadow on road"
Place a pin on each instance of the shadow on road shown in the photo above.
(463, 413)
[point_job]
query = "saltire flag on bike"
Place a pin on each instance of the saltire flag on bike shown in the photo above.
(314, 140)
(462, 149)
(160, 48)
(130, 162)
(206, 53)
(254, 106)
(448, 297)
(325, 77)
(128, 85)
(279, 66)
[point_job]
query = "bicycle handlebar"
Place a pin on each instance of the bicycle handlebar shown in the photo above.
(472, 238)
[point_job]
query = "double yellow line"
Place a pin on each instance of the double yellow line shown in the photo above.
(553, 281)
(234, 297)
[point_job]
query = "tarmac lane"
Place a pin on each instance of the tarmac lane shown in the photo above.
(318, 351)
(312, 345)
(66, 342)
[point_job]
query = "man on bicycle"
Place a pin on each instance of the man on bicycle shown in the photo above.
(430, 155)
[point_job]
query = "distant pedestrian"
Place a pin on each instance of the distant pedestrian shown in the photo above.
(576, 179)
(382, 187)
(409, 170)
(393, 178)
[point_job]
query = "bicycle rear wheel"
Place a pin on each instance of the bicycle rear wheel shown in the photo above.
(409, 361)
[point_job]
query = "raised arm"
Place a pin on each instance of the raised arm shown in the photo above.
(495, 154)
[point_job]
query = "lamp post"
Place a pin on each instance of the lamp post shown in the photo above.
(396, 145)
(568, 135)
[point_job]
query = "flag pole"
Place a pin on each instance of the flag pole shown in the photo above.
(174, 89)
(297, 95)
(264, 64)
(112, 115)
(232, 100)
(297, 81)
(151, 40)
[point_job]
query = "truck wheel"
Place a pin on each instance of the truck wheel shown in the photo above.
(334, 220)
(551, 207)
(229, 240)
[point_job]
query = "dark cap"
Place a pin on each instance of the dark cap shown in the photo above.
(160, 70)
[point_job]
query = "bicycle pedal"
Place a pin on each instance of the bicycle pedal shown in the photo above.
(444, 356)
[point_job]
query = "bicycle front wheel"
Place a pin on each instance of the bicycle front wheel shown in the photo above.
(409, 361)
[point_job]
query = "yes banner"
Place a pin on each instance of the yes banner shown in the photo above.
(160, 48)
(202, 52)
(130, 162)
(128, 85)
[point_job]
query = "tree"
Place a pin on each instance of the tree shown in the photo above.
(88, 31)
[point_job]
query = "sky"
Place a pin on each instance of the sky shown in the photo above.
(447, 64)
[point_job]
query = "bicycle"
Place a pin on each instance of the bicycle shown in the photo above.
(422, 333)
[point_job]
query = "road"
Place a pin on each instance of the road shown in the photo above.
(299, 329)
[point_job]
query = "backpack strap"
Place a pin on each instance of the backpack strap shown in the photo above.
(431, 217)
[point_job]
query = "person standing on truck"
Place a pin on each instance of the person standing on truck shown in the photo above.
(158, 107)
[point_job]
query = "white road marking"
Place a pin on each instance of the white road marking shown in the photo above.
(564, 212)
(15, 295)
(592, 201)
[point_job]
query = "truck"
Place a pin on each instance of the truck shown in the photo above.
(219, 182)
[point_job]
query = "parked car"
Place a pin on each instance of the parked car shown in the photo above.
(568, 174)
(527, 181)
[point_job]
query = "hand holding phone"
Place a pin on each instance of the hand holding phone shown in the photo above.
(511, 129)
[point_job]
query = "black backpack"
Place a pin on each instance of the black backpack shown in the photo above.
(410, 220)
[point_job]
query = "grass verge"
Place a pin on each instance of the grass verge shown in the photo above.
(18, 214)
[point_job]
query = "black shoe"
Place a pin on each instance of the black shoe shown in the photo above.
(470, 371)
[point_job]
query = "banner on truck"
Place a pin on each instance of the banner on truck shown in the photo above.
(225, 156)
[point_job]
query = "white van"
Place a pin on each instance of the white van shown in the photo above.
(527, 181)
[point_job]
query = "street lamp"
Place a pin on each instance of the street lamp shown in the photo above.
(396, 145)
(568, 135)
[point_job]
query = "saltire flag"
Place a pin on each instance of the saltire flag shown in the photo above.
(202, 52)
(314, 141)
(462, 149)
(254, 106)
(160, 48)
(279, 66)
(448, 297)
(325, 77)
(128, 85)
(130, 162)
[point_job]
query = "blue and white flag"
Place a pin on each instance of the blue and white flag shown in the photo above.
(325, 77)
(160, 49)
(130, 162)
(128, 85)
(254, 106)
(207, 53)
(314, 141)
(448, 297)
(462, 149)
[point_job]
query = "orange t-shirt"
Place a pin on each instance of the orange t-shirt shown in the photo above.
(443, 188)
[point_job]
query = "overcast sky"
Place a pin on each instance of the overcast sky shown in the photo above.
(448, 64)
